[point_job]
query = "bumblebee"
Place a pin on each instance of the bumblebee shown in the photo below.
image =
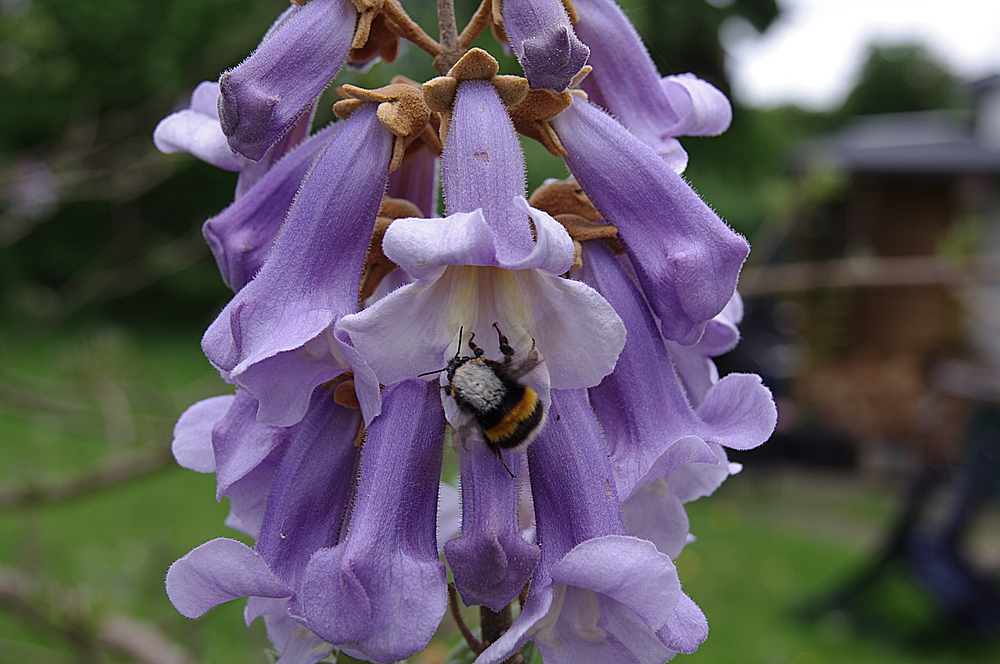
(508, 413)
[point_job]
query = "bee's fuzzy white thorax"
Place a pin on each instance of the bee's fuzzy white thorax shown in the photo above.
(478, 385)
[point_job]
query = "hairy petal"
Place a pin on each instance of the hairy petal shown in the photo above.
(241, 443)
(383, 588)
(242, 235)
(686, 258)
(704, 109)
(482, 168)
(280, 324)
(310, 493)
(656, 514)
(192, 444)
(255, 170)
(449, 514)
(642, 405)
(626, 83)
(693, 480)
(687, 627)
(489, 560)
(248, 495)
(268, 92)
(740, 411)
(196, 131)
(423, 246)
(543, 39)
(219, 571)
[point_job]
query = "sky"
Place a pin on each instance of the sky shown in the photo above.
(812, 53)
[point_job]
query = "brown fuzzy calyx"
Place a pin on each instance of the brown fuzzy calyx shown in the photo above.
(401, 109)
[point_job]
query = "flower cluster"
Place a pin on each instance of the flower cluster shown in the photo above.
(596, 306)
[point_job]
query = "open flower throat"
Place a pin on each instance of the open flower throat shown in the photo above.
(566, 344)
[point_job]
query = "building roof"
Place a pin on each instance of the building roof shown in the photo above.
(926, 142)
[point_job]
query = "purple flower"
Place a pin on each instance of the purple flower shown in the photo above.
(196, 131)
(625, 82)
(490, 560)
(598, 595)
(542, 38)
(651, 425)
(381, 589)
(241, 236)
(266, 94)
(694, 363)
(290, 488)
(493, 260)
(481, 266)
(305, 490)
(673, 238)
(280, 324)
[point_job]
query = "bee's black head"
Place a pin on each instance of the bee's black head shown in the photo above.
(454, 363)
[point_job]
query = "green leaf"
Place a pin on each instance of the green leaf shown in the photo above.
(461, 654)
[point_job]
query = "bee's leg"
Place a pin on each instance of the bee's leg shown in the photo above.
(463, 435)
(476, 350)
(500, 454)
(532, 354)
(530, 362)
(508, 352)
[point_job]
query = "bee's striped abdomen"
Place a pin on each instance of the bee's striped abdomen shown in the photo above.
(512, 424)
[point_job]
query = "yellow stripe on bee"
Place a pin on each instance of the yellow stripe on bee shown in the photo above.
(508, 425)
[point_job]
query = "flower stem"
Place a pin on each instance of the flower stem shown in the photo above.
(492, 625)
(407, 28)
(451, 49)
(474, 644)
(476, 24)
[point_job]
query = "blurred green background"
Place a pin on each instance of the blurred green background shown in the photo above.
(106, 286)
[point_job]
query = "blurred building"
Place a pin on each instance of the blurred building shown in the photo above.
(897, 279)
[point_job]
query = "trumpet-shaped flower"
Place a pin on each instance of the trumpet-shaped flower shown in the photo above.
(598, 595)
(495, 259)
(266, 94)
(382, 589)
(542, 37)
(651, 425)
(241, 235)
(302, 496)
(290, 488)
(673, 238)
(625, 82)
(274, 338)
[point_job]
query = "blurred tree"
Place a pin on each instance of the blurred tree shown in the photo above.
(897, 78)
(83, 224)
(683, 35)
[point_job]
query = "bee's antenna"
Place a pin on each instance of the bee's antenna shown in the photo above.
(457, 351)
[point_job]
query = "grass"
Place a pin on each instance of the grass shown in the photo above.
(768, 542)
(772, 543)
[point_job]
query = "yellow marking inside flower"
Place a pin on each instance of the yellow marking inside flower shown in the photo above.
(510, 422)
(479, 295)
